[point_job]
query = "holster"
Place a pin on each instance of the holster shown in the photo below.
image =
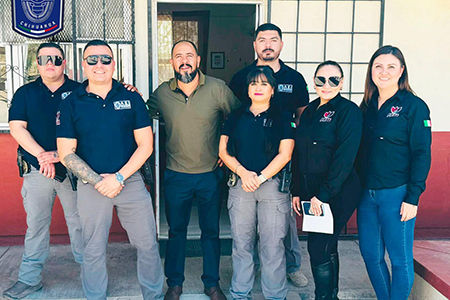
(232, 179)
(285, 178)
(146, 171)
(73, 180)
(24, 166)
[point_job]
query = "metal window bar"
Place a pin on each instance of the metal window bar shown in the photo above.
(326, 32)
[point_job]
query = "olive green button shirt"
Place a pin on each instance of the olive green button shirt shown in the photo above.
(193, 123)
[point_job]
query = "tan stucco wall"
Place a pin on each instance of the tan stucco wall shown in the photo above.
(421, 29)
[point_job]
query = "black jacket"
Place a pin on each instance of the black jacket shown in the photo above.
(327, 141)
(396, 145)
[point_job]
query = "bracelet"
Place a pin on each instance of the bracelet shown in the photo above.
(235, 170)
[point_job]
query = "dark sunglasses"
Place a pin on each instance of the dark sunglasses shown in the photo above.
(54, 59)
(333, 81)
(92, 60)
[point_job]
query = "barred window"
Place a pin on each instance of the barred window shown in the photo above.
(347, 31)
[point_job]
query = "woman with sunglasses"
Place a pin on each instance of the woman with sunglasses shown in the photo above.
(256, 143)
(393, 163)
(327, 141)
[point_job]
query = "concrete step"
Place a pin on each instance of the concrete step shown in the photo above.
(61, 274)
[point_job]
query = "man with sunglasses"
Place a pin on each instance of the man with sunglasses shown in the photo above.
(104, 137)
(32, 124)
(292, 94)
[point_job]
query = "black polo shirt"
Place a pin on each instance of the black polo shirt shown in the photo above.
(327, 141)
(35, 104)
(292, 89)
(396, 145)
(104, 129)
(249, 133)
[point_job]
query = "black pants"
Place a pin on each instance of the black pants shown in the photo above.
(320, 245)
(181, 189)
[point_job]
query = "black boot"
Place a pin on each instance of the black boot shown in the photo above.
(335, 263)
(323, 279)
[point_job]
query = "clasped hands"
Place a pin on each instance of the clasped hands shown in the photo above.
(250, 181)
(109, 186)
(47, 161)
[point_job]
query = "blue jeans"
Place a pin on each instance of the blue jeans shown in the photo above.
(181, 189)
(380, 228)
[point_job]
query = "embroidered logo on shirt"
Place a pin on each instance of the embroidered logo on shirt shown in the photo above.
(285, 88)
(293, 125)
(394, 112)
(58, 121)
(122, 104)
(267, 123)
(327, 116)
(65, 95)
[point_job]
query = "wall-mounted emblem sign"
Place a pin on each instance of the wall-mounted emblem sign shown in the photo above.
(37, 19)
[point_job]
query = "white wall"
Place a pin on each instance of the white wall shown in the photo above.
(421, 29)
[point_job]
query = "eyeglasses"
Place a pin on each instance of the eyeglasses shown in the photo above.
(54, 59)
(92, 60)
(333, 81)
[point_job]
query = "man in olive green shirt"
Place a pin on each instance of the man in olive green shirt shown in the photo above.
(193, 106)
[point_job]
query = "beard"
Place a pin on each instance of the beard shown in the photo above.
(273, 56)
(186, 77)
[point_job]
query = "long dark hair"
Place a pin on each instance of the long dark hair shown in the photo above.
(370, 88)
(274, 113)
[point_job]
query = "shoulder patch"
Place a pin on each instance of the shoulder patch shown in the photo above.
(427, 123)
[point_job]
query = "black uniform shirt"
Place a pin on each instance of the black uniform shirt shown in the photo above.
(35, 104)
(327, 141)
(395, 148)
(104, 129)
(249, 136)
(292, 88)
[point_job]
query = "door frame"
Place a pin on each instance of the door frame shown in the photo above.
(261, 9)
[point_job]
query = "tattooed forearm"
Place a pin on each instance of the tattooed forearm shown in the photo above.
(81, 169)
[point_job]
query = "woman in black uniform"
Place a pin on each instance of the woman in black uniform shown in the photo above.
(393, 163)
(327, 141)
(256, 143)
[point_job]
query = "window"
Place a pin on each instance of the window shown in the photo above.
(347, 31)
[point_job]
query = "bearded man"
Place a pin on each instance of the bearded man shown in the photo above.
(193, 106)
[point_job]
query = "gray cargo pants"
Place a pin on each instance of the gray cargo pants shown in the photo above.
(135, 211)
(265, 212)
(38, 194)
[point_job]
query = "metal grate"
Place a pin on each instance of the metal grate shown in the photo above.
(110, 20)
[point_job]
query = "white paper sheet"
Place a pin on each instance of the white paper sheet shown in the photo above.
(320, 224)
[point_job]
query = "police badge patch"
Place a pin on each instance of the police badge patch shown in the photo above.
(37, 19)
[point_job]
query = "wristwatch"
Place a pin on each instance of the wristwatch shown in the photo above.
(120, 178)
(262, 178)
